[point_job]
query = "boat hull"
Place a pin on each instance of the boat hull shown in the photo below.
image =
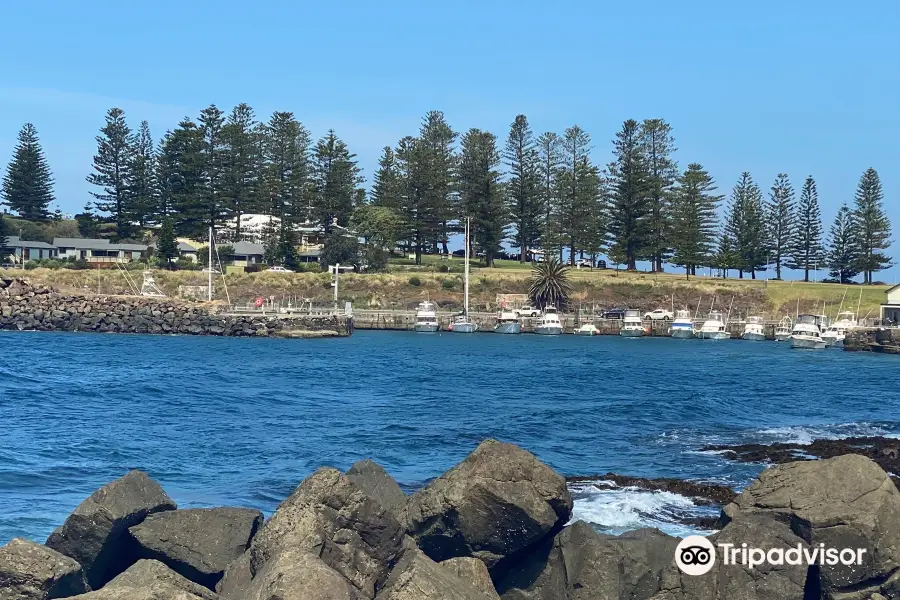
(426, 327)
(682, 333)
(833, 342)
(586, 332)
(464, 327)
(713, 335)
(807, 343)
(508, 328)
(548, 330)
(782, 337)
(631, 332)
(754, 337)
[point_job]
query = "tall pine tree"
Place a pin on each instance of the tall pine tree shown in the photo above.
(481, 192)
(843, 247)
(806, 245)
(576, 208)
(214, 206)
(440, 168)
(386, 187)
(746, 226)
(28, 185)
(780, 218)
(872, 225)
(550, 159)
(524, 186)
(143, 185)
(242, 135)
(112, 172)
(422, 222)
(630, 209)
(180, 180)
(693, 219)
(335, 178)
(658, 145)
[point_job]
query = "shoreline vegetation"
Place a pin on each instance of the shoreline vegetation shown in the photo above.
(497, 526)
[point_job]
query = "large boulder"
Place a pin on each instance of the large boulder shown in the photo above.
(847, 502)
(374, 480)
(150, 580)
(96, 533)
(417, 577)
(30, 571)
(197, 543)
(474, 572)
(331, 517)
(235, 584)
(296, 574)
(581, 564)
(739, 582)
(497, 502)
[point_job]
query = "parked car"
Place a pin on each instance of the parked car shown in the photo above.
(601, 264)
(277, 269)
(660, 314)
(584, 262)
(614, 313)
(528, 311)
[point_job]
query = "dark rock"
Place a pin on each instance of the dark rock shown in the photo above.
(334, 519)
(701, 493)
(371, 478)
(417, 577)
(29, 571)
(236, 582)
(580, 563)
(150, 580)
(499, 501)
(96, 533)
(843, 502)
(197, 543)
(296, 574)
(474, 572)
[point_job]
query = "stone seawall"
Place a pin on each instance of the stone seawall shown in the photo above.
(24, 306)
(873, 340)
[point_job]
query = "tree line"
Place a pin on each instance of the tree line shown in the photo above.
(534, 192)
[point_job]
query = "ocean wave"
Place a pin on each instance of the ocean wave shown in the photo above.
(615, 510)
(806, 434)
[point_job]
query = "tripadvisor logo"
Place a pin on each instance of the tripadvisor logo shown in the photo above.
(696, 555)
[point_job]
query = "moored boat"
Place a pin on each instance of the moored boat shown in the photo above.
(632, 324)
(807, 333)
(426, 318)
(586, 329)
(463, 323)
(682, 325)
(713, 327)
(783, 330)
(835, 334)
(754, 329)
(508, 322)
(548, 323)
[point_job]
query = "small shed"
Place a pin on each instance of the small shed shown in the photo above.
(890, 310)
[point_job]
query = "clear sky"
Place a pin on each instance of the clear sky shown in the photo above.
(799, 87)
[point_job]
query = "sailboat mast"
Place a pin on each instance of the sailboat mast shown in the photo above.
(466, 286)
(209, 282)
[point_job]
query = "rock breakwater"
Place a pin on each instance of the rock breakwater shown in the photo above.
(24, 306)
(494, 527)
(885, 340)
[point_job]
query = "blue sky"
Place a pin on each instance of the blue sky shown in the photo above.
(800, 87)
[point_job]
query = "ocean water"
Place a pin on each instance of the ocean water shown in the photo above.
(242, 421)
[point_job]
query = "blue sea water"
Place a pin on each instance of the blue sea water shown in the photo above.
(242, 421)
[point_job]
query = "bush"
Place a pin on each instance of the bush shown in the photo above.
(448, 284)
(312, 267)
(186, 264)
(443, 269)
(77, 265)
(415, 281)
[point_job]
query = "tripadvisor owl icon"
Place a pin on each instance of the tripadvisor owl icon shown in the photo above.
(695, 555)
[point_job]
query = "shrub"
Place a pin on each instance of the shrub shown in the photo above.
(77, 265)
(443, 269)
(415, 281)
(312, 267)
(448, 284)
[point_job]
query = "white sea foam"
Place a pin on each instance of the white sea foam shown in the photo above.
(806, 434)
(616, 510)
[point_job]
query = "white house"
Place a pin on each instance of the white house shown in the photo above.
(97, 250)
(890, 310)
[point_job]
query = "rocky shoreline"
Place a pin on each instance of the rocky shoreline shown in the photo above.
(496, 526)
(24, 306)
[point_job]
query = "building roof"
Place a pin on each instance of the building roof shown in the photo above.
(13, 241)
(248, 248)
(81, 243)
(310, 253)
(127, 247)
(891, 289)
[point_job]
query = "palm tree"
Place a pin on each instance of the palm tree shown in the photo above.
(550, 283)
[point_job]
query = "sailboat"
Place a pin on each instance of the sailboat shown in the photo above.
(462, 323)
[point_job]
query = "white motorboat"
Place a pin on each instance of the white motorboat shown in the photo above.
(587, 328)
(462, 323)
(713, 327)
(783, 330)
(632, 324)
(807, 333)
(426, 318)
(548, 323)
(754, 329)
(835, 334)
(508, 322)
(682, 325)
